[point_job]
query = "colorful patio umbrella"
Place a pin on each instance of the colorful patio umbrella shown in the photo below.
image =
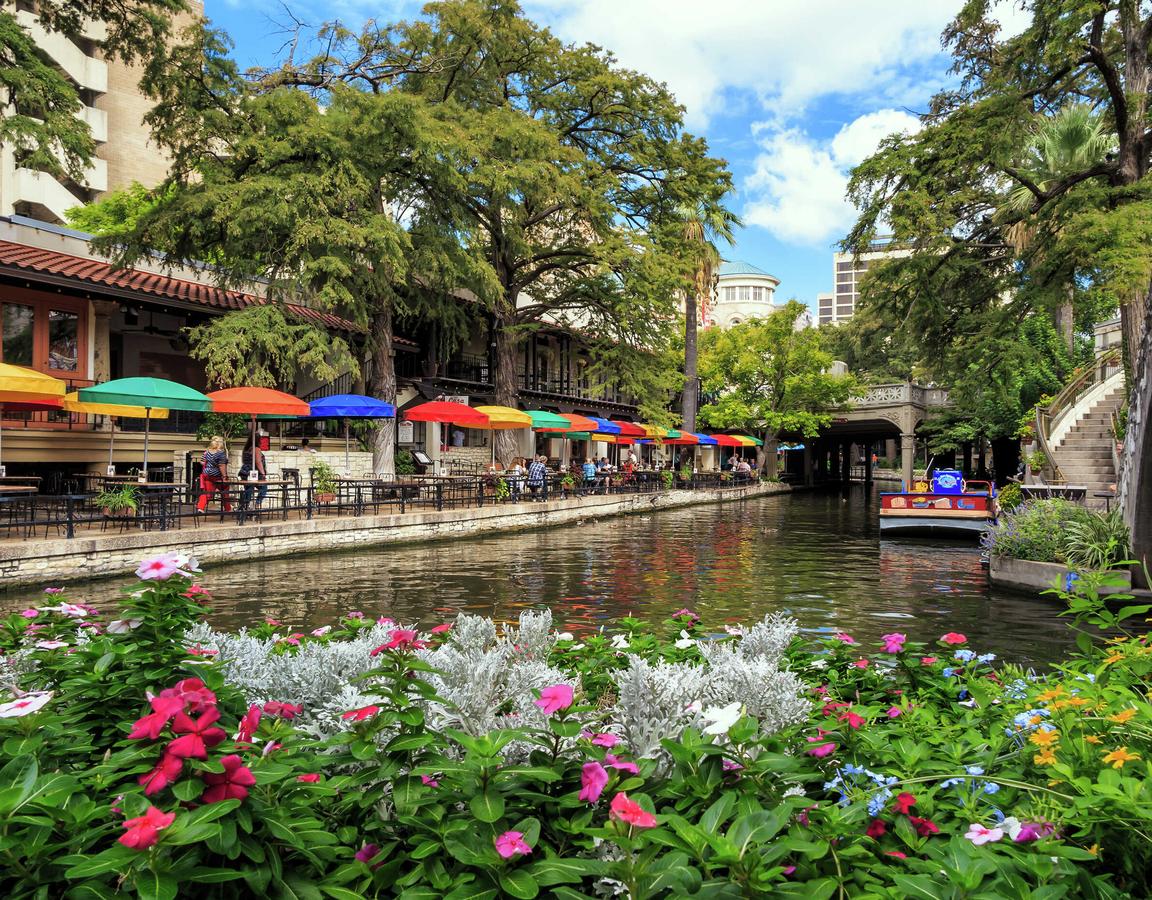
(254, 401)
(749, 441)
(73, 403)
(350, 406)
(706, 440)
(681, 438)
(502, 418)
(630, 429)
(727, 440)
(445, 412)
(149, 394)
(542, 420)
(27, 389)
(569, 422)
(605, 426)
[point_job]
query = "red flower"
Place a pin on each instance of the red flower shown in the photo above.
(440, 629)
(308, 779)
(626, 810)
(832, 705)
(861, 664)
(927, 660)
(248, 724)
(143, 831)
(904, 803)
(852, 719)
(953, 637)
(196, 735)
(287, 711)
(231, 784)
(193, 692)
(359, 715)
(896, 853)
(167, 770)
(924, 827)
(149, 727)
(876, 828)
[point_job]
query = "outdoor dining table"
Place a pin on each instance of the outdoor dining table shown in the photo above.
(406, 490)
(17, 506)
(243, 511)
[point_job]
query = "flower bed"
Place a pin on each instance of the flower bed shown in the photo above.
(151, 755)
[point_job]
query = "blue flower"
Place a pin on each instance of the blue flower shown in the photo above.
(949, 782)
(986, 657)
(1070, 579)
(850, 769)
(948, 673)
(965, 655)
(991, 787)
(974, 770)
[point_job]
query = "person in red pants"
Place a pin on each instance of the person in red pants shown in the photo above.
(215, 471)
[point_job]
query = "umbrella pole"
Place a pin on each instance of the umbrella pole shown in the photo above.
(147, 426)
(347, 465)
(111, 439)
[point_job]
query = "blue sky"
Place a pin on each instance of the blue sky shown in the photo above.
(791, 94)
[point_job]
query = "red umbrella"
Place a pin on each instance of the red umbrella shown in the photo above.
(445, 411)
(727, 440)
(630, 429)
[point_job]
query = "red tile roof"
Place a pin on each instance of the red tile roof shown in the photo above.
(101, 274)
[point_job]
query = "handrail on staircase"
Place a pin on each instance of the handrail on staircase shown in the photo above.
(1106, 364)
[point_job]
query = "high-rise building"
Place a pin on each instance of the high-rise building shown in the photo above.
(848, 271)
(114, 109)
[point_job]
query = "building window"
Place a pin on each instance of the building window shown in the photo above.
(47, 336)
(729, 295)
(844, 267)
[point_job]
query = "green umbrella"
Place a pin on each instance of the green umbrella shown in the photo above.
(148, 393)
(543, 419)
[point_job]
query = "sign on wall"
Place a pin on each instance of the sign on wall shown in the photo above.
(406, 433)
(457, 399)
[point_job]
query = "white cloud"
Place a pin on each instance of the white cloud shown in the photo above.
(796, 189)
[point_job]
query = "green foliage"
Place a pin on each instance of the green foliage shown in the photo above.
(405, 464)
(1036, 460)
(116, 213)
(1097, 541)
(117, 500)
(323, 477)
(228, 425)
(1010, 496)
(1058, 531)
(767, 375)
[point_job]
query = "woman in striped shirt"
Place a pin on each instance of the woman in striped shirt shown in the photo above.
(215, 471)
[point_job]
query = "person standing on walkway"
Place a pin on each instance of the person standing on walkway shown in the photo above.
(214, 472)
(252, 460)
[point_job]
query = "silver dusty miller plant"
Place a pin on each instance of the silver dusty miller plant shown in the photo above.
(657, 701)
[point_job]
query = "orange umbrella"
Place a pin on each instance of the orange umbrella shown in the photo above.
(575, 423)
(257, 401)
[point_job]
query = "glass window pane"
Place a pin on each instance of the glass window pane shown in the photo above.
(63, 340)
(18, 329)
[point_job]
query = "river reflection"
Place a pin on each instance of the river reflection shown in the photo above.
(817, 556)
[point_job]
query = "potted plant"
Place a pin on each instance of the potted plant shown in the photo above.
(1036, 462)
(118, 501)
(567, 483)
(668, 477)
(323, 481)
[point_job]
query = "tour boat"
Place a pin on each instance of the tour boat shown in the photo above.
(948, 507)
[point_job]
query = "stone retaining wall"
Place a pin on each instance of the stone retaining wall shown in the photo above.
(50, 562)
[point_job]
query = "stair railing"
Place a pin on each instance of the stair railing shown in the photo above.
(1106, 364)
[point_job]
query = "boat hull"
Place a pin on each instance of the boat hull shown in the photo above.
(933, 526)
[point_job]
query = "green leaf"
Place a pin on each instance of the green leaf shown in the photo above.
(156, 885)
(487, 807)
(519, 883)
(103, 663)
(922, 887)
(339, 893)
(718, 812)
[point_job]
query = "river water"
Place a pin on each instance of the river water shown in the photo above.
(817, 556)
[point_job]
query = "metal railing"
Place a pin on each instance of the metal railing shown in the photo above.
(1106, 364)
(174, 507)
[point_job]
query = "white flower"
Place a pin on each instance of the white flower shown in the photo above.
(734, 630)
(578, 646)
(818, 664)
(565, 636)
(24, 706)
(123, 626)
(1011, 826)
(723, 717)
(619, 642)
(685, 641)
(66, 609)
(321, 631)
(51, 645)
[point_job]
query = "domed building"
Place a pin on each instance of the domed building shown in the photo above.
(743, 292)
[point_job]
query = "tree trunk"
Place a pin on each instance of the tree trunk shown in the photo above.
(766, 456)
(691, 380)
(383, 387)
(1135, 484)
(507, 387)
(1066, 319)
(1132, 316)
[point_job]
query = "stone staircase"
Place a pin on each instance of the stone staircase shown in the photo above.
(1084, 453)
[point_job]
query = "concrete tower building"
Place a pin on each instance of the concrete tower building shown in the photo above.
(743, 292)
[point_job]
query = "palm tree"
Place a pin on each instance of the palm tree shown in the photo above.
(1072, 140)
(702, 227)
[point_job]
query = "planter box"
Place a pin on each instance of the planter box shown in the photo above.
(1033, 577)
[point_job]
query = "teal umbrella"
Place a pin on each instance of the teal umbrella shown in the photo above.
(149, 394)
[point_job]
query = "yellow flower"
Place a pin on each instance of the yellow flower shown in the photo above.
(1091, 739)
(1115, 657)
(1119, 756)
(1044, 738)
(1078, 701)
(1035, 720)
(1122, 717)
(1094, 849)
(1050, 695)
(1045, 757)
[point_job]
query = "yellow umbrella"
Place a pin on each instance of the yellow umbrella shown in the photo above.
(73, 403)
(501, 418)
(22, 388)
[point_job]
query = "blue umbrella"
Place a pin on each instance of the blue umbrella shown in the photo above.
(603, 426)
(706, 440)
(350, 406)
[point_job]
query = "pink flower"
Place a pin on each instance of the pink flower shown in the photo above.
(555, 698)
(143, 831)
(895, 712)
(384, 620)
(845, 638)
(593, 777)
(511, 843)
(853, 720)
(861, 664)
(367, 853)
(248, 724)
(321, 631)
(401, 639)
(359, 715)
(273, 622)
(51, 645)
(1033, 831)
(193, 692)
(310, 778)
(288, 711)
(30, 613)
(730, 765)
(231, 784)
(195, 592)
(820, 749)
(953, 637)
(166, 771)
(55, 590)
(428, 781)
(625, 810)
(440, 629)
(25, 706)
(605, 740)
(896, 853)
(149, 727)
(980, 835)
(622, 765)
(201, 651)
(355, 614)
(686, 614)
(927, 660)
(163, 567)
(893, 643)
(196, 735)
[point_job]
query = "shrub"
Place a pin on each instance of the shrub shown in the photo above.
(1059, 531)
(1010, 496)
